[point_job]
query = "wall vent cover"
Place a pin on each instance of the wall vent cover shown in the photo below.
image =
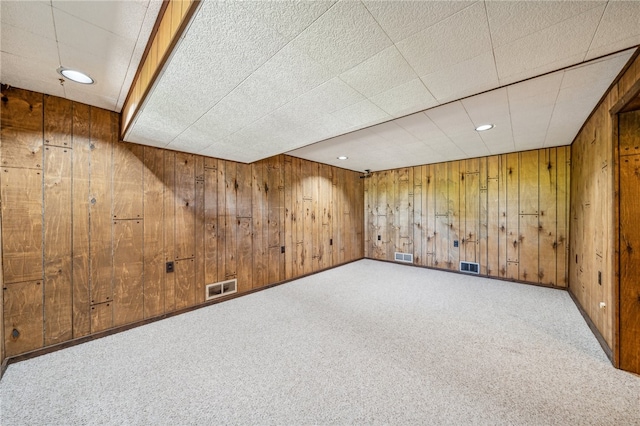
(470, 267)
(404, 257)
(223, 288)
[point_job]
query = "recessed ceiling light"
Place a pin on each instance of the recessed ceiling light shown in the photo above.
(74, 75)
(342, 157)
(484, 127)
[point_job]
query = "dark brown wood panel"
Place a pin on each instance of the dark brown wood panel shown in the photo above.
(21, 224)
(80, 225)
(258, 197)
(185, 199)
(154, 260)
(127, 181)
(169, 207)
(629, 263)
(103, 130)
(200, 230)
(58, 309)
(128, 260)
(245, 254)
(101, 317)
(58, 121)
(185, 272)
(548, 216)
(22, 129)
(211, 225)
(230, 221)
(23, 319)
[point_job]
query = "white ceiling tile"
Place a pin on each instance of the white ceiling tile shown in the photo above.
(512, 20)
(288, 18)
(343, 37)
(118, 17)
(488, 108)
(28, 45)
(405, 99)
(39, 16)
(42, 77)
(463, 79)
(618, 28)
(451, 118)
(89, 38)
(364, 113)
(393, 133)
(540, 89)
(456, 39)
(604, 69)
(381, 72)
(108, 76)
(548, 46)
(400, 19)
(420, 126)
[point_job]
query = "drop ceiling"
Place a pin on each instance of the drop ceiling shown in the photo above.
(386, 83)
(105, 39)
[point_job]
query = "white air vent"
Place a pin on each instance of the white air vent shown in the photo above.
(404, 257)
(220, 289)
(470, 267)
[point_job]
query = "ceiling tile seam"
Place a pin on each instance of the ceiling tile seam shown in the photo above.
(55, 32)
(475, 124)
(513, 138)
(493, 49)
(400, 53)
(511, 41)
(435, 23)
(85, 21)
(122, 88)
(555, 102)
(249, 75)
(593, 37)
(441, 130)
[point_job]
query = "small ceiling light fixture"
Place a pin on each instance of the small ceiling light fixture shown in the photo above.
(343, 157)
(74, 75)
(484, 127)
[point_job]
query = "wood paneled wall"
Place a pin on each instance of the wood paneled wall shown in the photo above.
(89, 222)
(593, 226)
(506, 212)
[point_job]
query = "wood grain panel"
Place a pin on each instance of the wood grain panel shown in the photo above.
(289, 218)
(185, 272)
(429, 206)
(185, 197)
(493, 226)
(101, 184)
(548, 216)
(22, 129)
(243, 191)
(472, 216)
(483, 231)
(58, 121)
(80, 225)
(230, 223)
(58, 309)
(562, 214)
(154, 262)
(128, 297)
(629, 133)
(260, 244)
(169, 209)
(454, 181)
(529, 246)
(629, 263)
(419, 224)
(211, 224)
(127, 180)
(245, 254)
(200, 231)
(297, 175)
(309, 216)
(275, 198)
(529, 185)
(513, 209)
(21, 225)
(101, 317)
(23, 319)
(222, 219)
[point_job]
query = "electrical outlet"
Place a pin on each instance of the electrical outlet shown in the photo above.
(455, 243)
(282, 249)
(169, 267)
(379, 238)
